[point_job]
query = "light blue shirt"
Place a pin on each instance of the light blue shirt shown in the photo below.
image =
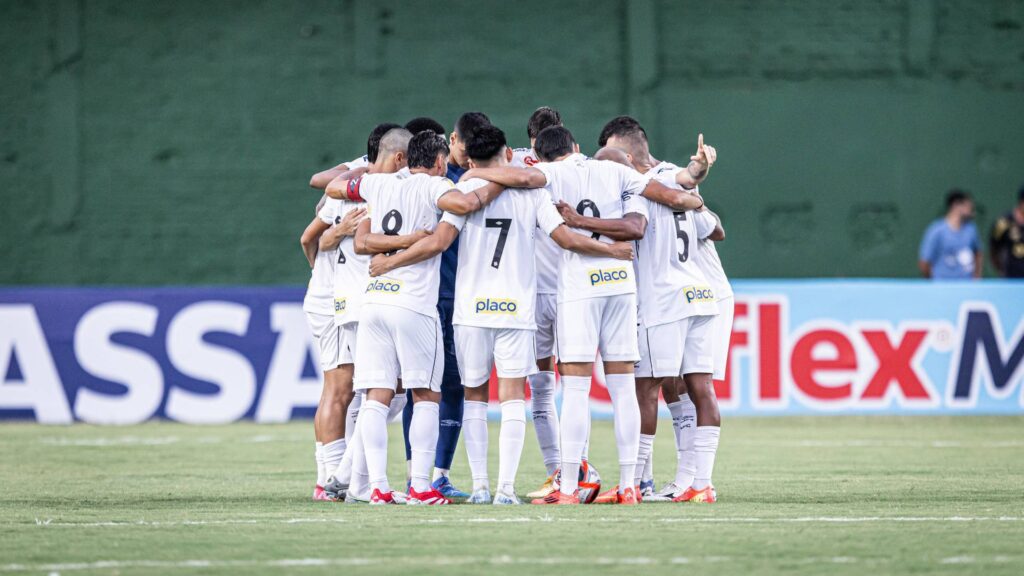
(950, 252)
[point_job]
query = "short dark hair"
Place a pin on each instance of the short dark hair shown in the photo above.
(486, 143)
(468, 123)
(552, 142)
(424, 148)
(542, 118)
(373, 142)
(956, 196)
(421, 123)
(620, 126)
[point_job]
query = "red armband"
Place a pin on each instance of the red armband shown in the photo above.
(352, 190)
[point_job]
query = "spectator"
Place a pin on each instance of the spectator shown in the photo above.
(950, 249)
(1007, 243)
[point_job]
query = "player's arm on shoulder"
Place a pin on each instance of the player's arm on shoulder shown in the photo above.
(310, 238)
(424, 249)
(672, 197)
(509, 176)
(346, 227)
(367, 242)
(461, 203)
(632, 226)
(569, 240)
(345, 186)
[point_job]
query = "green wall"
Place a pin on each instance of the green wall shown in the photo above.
(171, 142)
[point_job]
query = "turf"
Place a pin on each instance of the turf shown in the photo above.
(797, 496)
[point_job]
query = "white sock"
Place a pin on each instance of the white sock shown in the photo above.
(626, 415)
(333, 453)
(545, 418)
(575, 424)
(321, 470)
(474, 434)
(438, 472)
(397, 407)
(648, 475)
(423, 433)
(705, 444)
(359, 479)
(684, 419)
(643, 455)
(590, 421)
(353, 412)
(343, 473)
(510, 443)
(373, 429)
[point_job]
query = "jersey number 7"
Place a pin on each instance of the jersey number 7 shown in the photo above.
(505, 224)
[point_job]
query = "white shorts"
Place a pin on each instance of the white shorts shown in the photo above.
(509, 349)
(547, 317)
(326, 335)
(393, 343)
(720, 340)
(606, 323)
(677, 348)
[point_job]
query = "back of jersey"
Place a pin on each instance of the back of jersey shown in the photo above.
(671, 284)
(496, 285)
(549, 254)
(399, 206)
(350, 269)
(600, 189)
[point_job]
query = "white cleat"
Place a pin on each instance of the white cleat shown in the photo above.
(480, 496)
(506, 499)
(667, 493)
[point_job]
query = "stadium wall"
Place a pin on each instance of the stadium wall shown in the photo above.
(210, 355)
(147, 143)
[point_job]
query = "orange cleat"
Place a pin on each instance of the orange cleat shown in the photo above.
(557, 497)
(608, 496)
(629, 496)
(705, 495)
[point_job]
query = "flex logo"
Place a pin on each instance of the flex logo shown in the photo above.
(496, 306)
(600, 277)
(384, 286)
(698, 294)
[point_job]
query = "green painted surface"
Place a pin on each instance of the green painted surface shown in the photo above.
(171, 142)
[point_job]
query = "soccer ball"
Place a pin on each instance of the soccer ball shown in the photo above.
(590, 482)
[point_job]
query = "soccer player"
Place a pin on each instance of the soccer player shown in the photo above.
(1006, 244)
(596, 297)
(542, 383)
(320, 180)
(399, 333)
(697, 403)
(495, 297)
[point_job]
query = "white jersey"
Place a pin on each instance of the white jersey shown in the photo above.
(549, 254)
(361, 162)
(707, 256)
(351, 271)
(320, 291)
(602, 189)
(671, 286)
(400, 204)
(496, 284)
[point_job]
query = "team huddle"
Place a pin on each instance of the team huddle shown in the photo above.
(437, 259)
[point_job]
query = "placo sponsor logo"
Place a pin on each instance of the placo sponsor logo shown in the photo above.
(384, 286)
(600, 277)
(496, 306)
(698, 294)
(340, 305)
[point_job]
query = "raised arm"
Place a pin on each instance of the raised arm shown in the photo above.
(346, 227)
(459, 203)
(673, 198)
(700, 163)
(320, 180)
(509, 176)
(423, 249)
(310, 238)
(586, 245)
(338, 186)
(367, 242)
(632, 226)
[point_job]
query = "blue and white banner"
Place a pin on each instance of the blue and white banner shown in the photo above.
(210, 355)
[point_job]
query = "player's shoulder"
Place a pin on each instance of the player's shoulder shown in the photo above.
(470, 185)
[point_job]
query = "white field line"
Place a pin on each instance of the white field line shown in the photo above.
(453, 561)
(541, 519)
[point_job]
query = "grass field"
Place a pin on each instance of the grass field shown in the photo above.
(797, 495)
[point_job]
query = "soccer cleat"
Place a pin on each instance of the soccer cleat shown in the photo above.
(629, 497)
(352, 497)
(608, 496)
(506, 499)
(705, 495)
(646, 488)
(335, 490)
(667, 493)
(445, 487)
(431, 497)
(379, 498)
(548, 487)
(557, 497)
(319, 495)
(480, 496)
